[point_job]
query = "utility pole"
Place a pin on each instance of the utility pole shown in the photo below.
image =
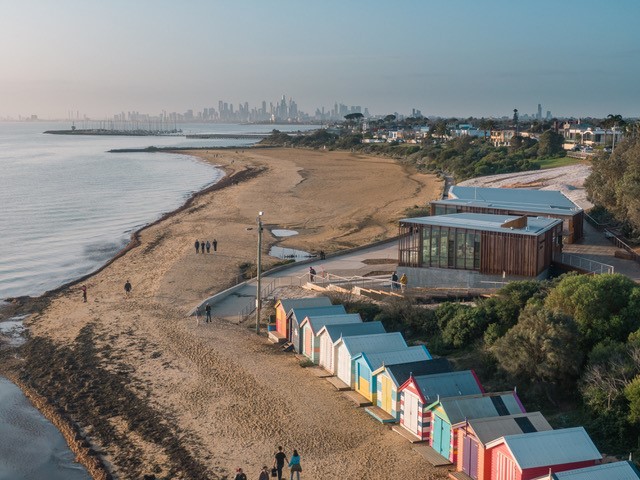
(259, 268)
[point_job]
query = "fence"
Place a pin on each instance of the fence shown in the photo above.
(586, 264)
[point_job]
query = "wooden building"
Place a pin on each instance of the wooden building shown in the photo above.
(469, 249)
(607, 471)
(284, 305)
(297, 315)
(528, 456)
(514, 202)
(475, 434)
(311, 325)
(330, 334)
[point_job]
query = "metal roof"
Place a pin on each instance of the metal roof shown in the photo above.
(536, 201)
(459, 409)
(352, 330)
(487, 222)
(317, 322)
(307, 302)
(380, 342)
(552, 447)
(300, 313)
(400, 372)
(448, 384)
(489, 429)
(609, 471)
(410, 354)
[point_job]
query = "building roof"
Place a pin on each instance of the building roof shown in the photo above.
(380, 342)
(317, 322)
(289, 303)
(551, 447)
(301, 313)
(609, 471)
(468, 407)
(487, 222)
(448, 384)
(410, 354)
(489, 429)
(352, 330)
(535, 201)
(400, 372)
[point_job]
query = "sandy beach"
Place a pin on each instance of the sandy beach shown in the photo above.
(154, 393)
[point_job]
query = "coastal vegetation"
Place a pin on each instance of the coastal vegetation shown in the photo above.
(570, 345)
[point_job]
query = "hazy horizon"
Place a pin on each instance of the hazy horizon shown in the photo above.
(445, 58)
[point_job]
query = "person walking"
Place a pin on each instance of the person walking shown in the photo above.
(240, 475)
(294, 463)
(208, 246)
(312, 274)
(278, 462)
(202, 246)
(84, 293)
(127, 288)
(207, 309)
(197, 245)
(403, 282)
(264, 473)
(215, 245)
(394, 281)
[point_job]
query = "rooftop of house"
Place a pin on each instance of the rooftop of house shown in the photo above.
(352, 330)
(317, 322)
(489, 429)
(289, 303)
(410, 354)
(611, 471)
(301, 313)
(379, 342)
(533, 226)
(448, 384)
(401, 372)
(467, 407)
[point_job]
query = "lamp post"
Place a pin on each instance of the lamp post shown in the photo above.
(259, 268)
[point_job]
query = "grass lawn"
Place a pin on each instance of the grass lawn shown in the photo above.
(553, 162)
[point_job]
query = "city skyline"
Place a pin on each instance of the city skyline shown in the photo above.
(449, 60)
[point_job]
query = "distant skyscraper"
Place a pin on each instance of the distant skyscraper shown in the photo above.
(539, 116)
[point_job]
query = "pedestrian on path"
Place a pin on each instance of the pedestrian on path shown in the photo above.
(403, 282)
(294, 463)
(278, 462)
(84, 293)
(312, 274)
(394, 281)
(215, 245)
(127, 288)
(208, 246)
(202, 246)
(197, 245)
(264, 473)
(207, 310)
(240, 475)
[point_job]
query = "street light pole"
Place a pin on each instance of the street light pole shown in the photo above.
(259, 269)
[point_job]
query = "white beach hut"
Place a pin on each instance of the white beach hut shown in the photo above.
(311, 325)
(330, 334)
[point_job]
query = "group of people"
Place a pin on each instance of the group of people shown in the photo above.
(279, 461)
(401, 284)
(201, 246)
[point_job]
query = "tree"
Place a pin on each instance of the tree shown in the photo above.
(550, 143)
(515, 120)
(612, 122)
(487, 125)
(353, 116)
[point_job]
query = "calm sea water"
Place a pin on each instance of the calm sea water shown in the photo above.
(67, 206)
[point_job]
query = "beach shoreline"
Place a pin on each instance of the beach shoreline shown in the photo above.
(120, 338)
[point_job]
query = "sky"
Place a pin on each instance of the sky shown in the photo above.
(447, 58)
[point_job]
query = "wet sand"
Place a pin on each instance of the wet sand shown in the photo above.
(155, 394)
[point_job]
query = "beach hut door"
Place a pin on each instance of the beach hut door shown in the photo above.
(344, 366)
(470, 457)
(385, 392)
(441, 436)
(411, 407)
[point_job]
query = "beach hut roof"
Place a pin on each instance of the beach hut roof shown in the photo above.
(299, 314)
(289, 303)
(352, 330)
(551, 447)
(400, 373)
(449, 384)
(378, 342)
(410, 354)
(467, 407)
(317, 322)
(610, 471)
(489, 429)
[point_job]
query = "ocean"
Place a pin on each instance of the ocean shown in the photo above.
(66, 207)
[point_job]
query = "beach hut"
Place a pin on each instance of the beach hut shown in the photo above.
(607, 471)
(284, 305)
(389, 378)
(475, 434)
(298, 314)
(330, 334)
(349, 347)
(418, 392)
(366, 363)
(528, 456)
(444, 413)
(311, 325)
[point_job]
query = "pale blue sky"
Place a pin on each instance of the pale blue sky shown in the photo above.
(450, 58)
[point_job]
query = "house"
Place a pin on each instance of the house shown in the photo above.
(477, 250)
(418, 392)
(531, 455)
(284, 305)
(502, 138)
(310, 327)
(350, 347)
(366, 363)
(297, 315)
(444, 413)
(330, 334)
(516, 202)
(474, 434)
(607, 471)
(389, 378)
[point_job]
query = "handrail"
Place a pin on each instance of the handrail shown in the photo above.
(586, 264)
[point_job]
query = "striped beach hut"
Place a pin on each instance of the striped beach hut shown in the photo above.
(330, 334)
(475, 434)
(366, 363)
(284, 305)
(311, 325)
(447, 412)
(389, 378)
(350, 347)
(607, 471)
(418, 392)
(528, 456)
(297, 315)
